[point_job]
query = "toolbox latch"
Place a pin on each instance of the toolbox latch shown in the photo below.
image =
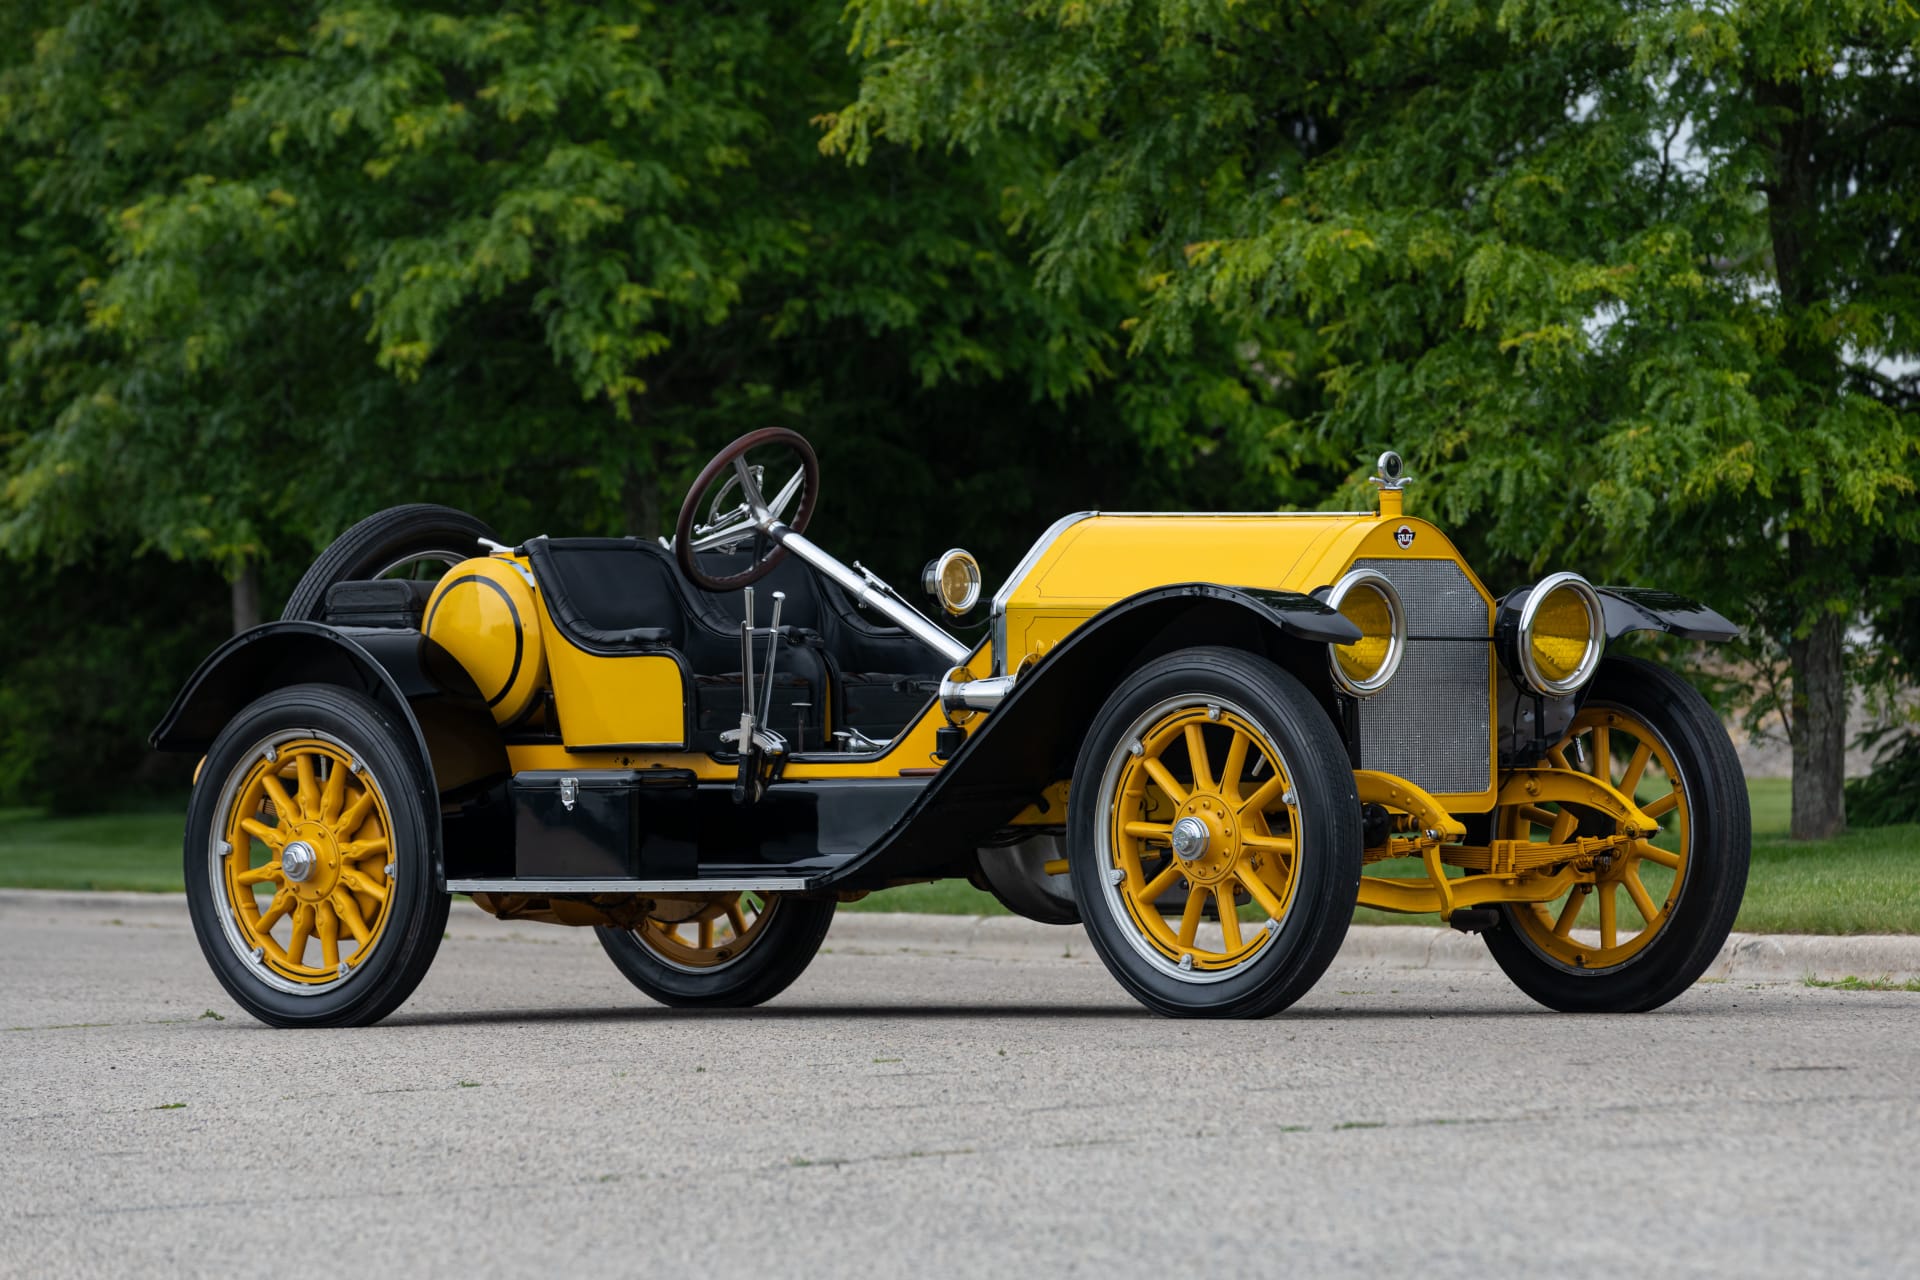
(569, 792)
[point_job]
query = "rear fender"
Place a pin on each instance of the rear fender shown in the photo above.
(418, 682)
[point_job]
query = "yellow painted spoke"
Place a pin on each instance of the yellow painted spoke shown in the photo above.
(1161, 831)
(1602, 766)
(259, 875)
(309, 789)
(1197, 759)
(348, 910)
(355, 812)
(1653, 853)
(1569, 913)
(328, 925)
(263, 833)
(1190, 918)
(1271, 844)
(1158, 772)
(1265, 795)
(1235, 766)
(285, 811)
(1563, 827)
(333, 793)
(1537, 816)
(1665, 805)
(1609, 927)
(302, 930)
(1260, 890)
(282, 903)
(705, 932)
(1558, 755)
(361, 882)
(737, 920)
(363, 848)
(1642, 900)
(1151, 891)
(1229, 916)
(1636, 769)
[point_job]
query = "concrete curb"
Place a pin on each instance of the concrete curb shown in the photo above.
(1754, 957)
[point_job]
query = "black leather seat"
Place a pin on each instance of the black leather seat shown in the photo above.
(836, 669)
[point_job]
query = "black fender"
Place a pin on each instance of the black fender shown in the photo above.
(1034, 736)
(1649, 609)
(420, 683)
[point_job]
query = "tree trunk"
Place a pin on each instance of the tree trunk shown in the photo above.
(246, 598)
(640, 503)
(1819, 730)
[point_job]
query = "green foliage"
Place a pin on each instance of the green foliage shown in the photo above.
(1891, 793)
(1619, 279)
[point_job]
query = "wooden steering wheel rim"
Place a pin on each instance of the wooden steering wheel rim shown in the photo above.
(721, 462)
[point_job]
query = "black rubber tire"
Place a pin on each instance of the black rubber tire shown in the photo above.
(1331, 843)
(769, 966)
(1721, 843)
(417, 529)
(390, 755)
(1013, 875)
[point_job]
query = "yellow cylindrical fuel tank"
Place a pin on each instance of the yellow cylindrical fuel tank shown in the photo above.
(482, 612)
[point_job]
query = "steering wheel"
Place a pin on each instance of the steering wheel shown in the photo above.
(739, 515)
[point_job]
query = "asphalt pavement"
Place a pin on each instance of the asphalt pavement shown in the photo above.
(914, 1108)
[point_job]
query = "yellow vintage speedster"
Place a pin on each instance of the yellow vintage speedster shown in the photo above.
(1191, 732)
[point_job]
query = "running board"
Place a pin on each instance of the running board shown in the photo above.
(735, 884)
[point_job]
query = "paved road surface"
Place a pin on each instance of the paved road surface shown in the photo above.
(900, 1114)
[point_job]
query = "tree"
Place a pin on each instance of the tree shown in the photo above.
(1633, 285)
(267, 269)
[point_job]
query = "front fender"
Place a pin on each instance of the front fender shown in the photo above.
(1649, 609)
(415, 679)
(1033, 737)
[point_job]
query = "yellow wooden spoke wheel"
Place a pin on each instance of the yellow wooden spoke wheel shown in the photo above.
(1215, 835)
(309, 859)
(308, 866)
(1623, 905)
(1646, 920)
(1204, 823)
(720, 951)
(717, 933)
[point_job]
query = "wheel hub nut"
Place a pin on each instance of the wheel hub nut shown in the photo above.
(1190, 836)
(296, 860)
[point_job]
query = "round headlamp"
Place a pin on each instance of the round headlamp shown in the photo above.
(1561, 632)
(953, 578)
(1366, 599)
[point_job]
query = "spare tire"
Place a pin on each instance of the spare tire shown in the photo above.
(408, 541)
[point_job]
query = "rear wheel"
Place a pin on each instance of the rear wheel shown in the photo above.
(1647, 925)
(726, 951)
(1212, 785)
(308, 860)
(419, 541)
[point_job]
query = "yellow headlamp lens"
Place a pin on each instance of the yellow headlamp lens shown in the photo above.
(1562, 634)
(1366, 608)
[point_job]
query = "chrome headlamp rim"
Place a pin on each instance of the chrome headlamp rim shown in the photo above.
(935, 574)
(1396, 640)
(1530, 671)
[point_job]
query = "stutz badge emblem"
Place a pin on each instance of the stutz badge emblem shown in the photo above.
(1404, 536)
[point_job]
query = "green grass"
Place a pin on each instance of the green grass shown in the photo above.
(138, 851)
(1866, 881)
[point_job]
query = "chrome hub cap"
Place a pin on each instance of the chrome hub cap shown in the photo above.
(296, 860)
(1189, 838)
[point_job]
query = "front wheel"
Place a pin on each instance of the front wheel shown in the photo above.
(1641, 929)
(727, 951)
(309, 863)
(1216, 836)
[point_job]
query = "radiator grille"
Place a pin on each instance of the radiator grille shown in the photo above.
(1430, 724)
